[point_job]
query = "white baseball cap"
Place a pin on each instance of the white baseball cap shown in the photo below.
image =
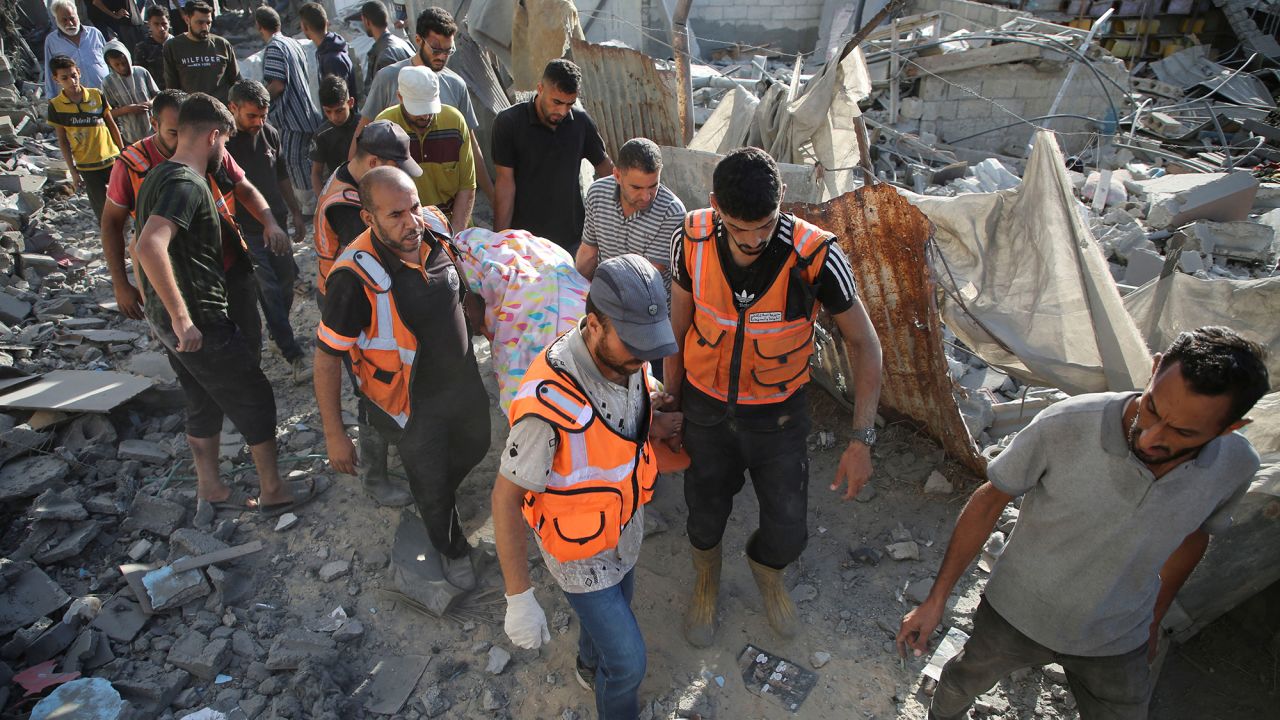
(419, 90)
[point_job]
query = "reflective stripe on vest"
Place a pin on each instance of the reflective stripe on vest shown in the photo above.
(598, 478)
(752, 355)
(328, 244)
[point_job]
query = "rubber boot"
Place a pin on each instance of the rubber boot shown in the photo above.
(777, 603)
(700, 616)
(373, 470)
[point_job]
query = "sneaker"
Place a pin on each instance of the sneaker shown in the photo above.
(301, 370)
(586, 675)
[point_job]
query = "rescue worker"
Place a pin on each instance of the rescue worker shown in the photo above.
(579, 465)
(338, 222)
(747, 283)
(394, 306)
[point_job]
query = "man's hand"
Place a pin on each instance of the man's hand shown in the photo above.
(77, 182)
(277, 239)
(189, 337)
(917, 626)
(342, 452)
(129, 301)
(299, 228)
(854, 469)
(1153, 642)
(526, 623)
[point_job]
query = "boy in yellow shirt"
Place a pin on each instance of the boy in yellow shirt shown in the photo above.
(87, 134)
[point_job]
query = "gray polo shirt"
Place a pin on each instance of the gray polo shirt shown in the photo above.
(1081, 570)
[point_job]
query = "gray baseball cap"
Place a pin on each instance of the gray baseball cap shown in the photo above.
(389, 141)
(628, 290)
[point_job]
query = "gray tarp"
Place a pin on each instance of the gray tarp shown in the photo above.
(1028, 288)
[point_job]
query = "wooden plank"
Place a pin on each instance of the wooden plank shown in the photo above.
(217, 556)
(968, 59)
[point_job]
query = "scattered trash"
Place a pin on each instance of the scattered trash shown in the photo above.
(766, 674)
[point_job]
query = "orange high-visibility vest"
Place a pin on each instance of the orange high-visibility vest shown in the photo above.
(382, 355)
(754, 355)
(598, 478)
(138, 162)
(328, 244)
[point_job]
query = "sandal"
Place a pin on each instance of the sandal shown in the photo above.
(301, 496)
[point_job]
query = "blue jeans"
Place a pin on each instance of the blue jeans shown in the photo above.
(276, 274)
(610, 641)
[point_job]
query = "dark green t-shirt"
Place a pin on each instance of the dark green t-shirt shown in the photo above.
(174, 192)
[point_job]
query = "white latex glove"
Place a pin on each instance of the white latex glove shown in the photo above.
(526, 623)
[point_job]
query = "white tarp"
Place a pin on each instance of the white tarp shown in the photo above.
(1029, 289)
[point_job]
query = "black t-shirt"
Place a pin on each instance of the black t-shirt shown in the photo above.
(259, 155)
(343, 218)
(429, 300)
(332, 143)
(546, 162)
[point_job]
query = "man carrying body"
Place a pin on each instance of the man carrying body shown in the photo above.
(199, 61)
(228, 186)
(436, 32)
(441, 144)
(338, 222)
(746, 283)
(1121, 492)
(394, 306)
(538, 148)
(179, 250)
(256, 148)
(387, 46)
(293, 112)
(580, 477)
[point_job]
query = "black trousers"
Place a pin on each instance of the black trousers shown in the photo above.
(1112, 687)
(778, 461)
(445, 438)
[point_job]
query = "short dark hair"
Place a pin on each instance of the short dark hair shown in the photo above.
(312, 15)
(201, 113)
(170, 99)
(113, 53)
(196, 6)
(156, 11)
(267, 18)
(564, 75)
(639, 154)
(249, 91)
(1215, 360)
(747, 184)
(591, 309)
(60, 62)
(333, 91)
(436, 20)
(375, 12)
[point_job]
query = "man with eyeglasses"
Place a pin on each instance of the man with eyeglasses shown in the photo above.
(436, 31)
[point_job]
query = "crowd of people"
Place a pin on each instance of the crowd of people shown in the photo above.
(690, 351)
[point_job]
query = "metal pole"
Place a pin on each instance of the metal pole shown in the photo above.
(1071, 71)
(684, 78)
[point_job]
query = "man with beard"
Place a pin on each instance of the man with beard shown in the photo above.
(387, 47)
(228, 185)
(394, 306)
(436, 32)
(1121, 492)
(538, 148)
(82, 43)
(257, 148)
(440, 142)
(180, 253)
(197, 60)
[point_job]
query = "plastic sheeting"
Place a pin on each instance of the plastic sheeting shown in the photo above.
(532, 294)
(1028, 289)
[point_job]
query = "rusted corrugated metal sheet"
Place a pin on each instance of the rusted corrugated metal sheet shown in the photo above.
(627, 96)
(885, 238)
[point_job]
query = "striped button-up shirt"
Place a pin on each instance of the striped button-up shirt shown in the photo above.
(294, 110)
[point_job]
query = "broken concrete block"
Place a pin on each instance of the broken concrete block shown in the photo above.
(53, 505)
(153, 514)
(1224, 198)
(150, 687)
(31, 596)
(498, 659)
(154, 365)
(15, 183)
(1191, 262)
(331, 571)
(120, 618)
(290, 649)
(188, 541)
(140, 549)
(143, 451)
(1247, 241)
(937, 484)
(200, 656)
(18, 441)
(1144, 266)
(31, 476)
(52, 642)
(70, 545)
(350, 630)
(168, 589)
(86, 698)
(13, 310)
(918, 591)
(907, 550)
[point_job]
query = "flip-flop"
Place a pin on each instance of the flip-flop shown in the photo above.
(239, 499)
(313, 490)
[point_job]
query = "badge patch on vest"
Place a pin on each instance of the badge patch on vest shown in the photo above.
(764, 317)
(452, 274)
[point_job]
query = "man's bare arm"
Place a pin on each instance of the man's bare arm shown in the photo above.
(504, 189)
(326, 373)
(463, 203)
(484, 183)
(509, 531)
(866, 360)
(152, 251)
(128, 299)
(587, 260)
(681, 320)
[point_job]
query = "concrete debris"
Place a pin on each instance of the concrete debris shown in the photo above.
(167, 588)
(199, 655)
(498, 659)
(84, 699)
(907, 550)
(31, 476)
(155, 515)
(938, 484)
(819, 659)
